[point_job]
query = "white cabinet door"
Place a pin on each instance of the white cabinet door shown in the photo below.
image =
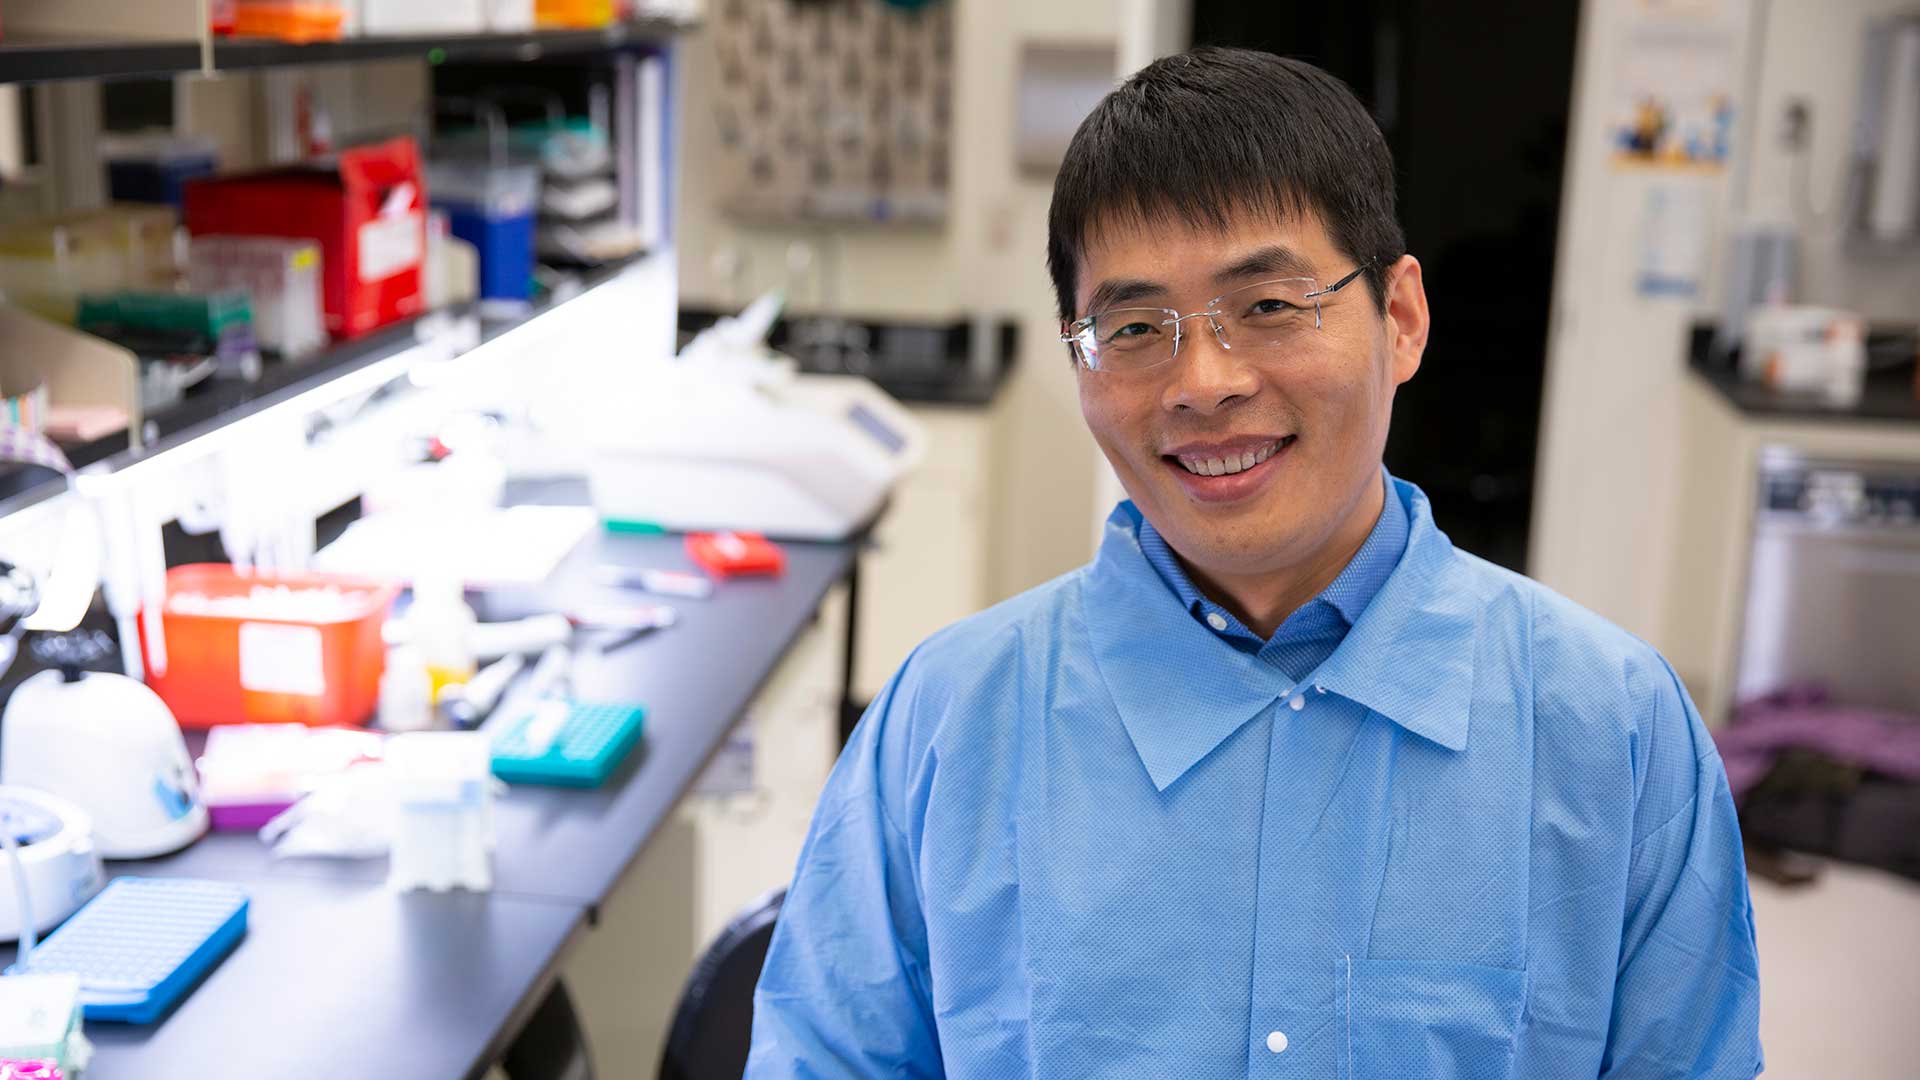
(928, 565)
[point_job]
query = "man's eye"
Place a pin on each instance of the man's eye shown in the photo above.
(1270, 307)
(1133, 329)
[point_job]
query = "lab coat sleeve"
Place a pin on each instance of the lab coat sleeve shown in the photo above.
(1687, 997)
(845, 992)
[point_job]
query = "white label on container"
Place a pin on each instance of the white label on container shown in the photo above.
(279, 659)
(389, 245)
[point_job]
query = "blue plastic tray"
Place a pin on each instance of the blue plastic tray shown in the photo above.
(140, 945)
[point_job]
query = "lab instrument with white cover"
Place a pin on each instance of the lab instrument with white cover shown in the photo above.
(730, 436)
(49, 866)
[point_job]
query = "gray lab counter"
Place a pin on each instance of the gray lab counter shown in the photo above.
(339, 977)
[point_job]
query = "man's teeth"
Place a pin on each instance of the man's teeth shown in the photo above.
(1227, 466)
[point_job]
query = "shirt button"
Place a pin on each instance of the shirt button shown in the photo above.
(1299, 702)
(1217, 621)
(1276, 1041)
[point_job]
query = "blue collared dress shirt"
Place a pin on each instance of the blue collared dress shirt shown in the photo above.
(1310, 634)
(1089, 834)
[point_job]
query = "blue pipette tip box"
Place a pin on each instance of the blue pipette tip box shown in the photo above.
(589, 745)
(142, 944)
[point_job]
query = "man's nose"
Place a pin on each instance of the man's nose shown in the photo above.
(1208, 374)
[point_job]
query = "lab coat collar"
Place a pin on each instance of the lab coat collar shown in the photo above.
(1181, 690)
(1410, 657)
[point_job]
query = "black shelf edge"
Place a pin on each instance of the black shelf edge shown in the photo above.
(23, 487)
(242, 54)
(29, 58)
(227, 400)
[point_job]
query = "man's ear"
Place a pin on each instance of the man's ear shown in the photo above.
(1407, 319)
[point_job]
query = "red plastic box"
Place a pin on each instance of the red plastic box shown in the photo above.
(230, 669)
(736, 554)
(367, 210)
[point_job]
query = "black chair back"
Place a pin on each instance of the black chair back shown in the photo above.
(714, 1023)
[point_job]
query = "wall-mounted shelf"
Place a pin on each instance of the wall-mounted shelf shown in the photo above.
(222, 403)
(25, 57)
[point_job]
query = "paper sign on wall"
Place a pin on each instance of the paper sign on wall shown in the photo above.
(1675, 233)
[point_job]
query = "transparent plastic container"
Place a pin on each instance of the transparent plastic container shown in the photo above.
(442, 783)
(420, 17)
(281, 275)
(508, 15)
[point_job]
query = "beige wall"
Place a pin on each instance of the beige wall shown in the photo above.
(1608, 521)
(990, 256)
(237, 111)
(1813, 52)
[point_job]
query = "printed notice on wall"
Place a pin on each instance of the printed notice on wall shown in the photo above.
(1676, 73)
(1675, 237)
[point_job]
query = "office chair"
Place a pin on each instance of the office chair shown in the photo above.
(714, 1023)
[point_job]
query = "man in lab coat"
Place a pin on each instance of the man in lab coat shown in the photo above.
(1281, 784)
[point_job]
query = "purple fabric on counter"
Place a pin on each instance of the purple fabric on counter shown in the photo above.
(1802, 718)
(245, 817)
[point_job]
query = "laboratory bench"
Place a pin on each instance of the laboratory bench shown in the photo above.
(339, 976)
(346, 978)
(1891, 394)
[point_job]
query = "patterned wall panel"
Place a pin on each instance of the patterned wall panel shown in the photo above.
(834, 110)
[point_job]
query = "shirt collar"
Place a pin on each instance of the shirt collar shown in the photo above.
(1373, 564)
(1346, 596)
(1408, 657)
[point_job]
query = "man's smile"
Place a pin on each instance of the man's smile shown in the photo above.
(1230, 470)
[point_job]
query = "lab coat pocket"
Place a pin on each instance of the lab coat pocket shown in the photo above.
(1435, 1020)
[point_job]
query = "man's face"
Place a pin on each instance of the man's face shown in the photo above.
(1317, 410)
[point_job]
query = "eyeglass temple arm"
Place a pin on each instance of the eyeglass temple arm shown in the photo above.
(1343, 282)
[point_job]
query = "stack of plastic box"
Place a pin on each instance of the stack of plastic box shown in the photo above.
(155, 168)
(573, 14)
(282, 277)
(297, 21)
(45, 264)
(373, 17)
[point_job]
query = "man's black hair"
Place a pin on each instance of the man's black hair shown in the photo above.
(1198, 137)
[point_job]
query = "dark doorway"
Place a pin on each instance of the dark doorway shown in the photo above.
(1474, 97)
